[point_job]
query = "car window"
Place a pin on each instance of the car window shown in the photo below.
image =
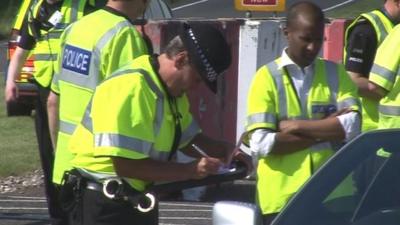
(370, 190)
(355, 187)
(158, 9)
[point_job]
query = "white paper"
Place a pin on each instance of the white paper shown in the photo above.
(55, 18)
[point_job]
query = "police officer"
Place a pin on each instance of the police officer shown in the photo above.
(139, 117)
(384, 81)
(40, 33)
(362, 39)
(92, 48)
(298, 105)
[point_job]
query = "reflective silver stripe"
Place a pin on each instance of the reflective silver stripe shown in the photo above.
(389, 110)
(383, 72)
(190, 132)
(87, 120)
(122, 141)
(54, 80)
(160, 103)
(261, 118)
(129, 143)
(380, 25)
(61, 26)
(67, 127)
(304, 99)
(321, 146)
(51, 35)
(278, 80)
(74, 10)
(67, 30)
(347, 103)
(333, 80)
(90, 82)
(45, 57)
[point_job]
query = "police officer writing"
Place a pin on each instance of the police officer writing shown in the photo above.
(40, 33)
(363, 37)
(298, 105)
(92, 48)
(139, 117)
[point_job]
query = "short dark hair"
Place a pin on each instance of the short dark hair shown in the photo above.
(174, 47)
(304, 8)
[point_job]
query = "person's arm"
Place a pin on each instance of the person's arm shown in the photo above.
(14, 69)
(360, 54)
(328, 129)
(53, 117)
(218, 149)
(265, 141)
(385, 69)
(153, 170)
(364, 89)
(377, 91)
(286, 143)
(296, 135)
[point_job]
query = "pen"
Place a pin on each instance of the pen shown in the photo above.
(198, 149)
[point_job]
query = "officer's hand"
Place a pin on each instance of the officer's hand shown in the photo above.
(288, 126)
(205, 166)
(11, 92)
(244, 158)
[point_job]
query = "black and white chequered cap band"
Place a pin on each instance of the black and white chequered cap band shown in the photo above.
(210, 71)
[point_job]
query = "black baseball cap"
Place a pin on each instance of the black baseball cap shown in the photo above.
(208, 51)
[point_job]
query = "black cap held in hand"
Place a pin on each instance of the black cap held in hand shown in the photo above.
(208, 51)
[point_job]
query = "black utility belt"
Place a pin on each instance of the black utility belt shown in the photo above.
(114, 188)
(119, 190)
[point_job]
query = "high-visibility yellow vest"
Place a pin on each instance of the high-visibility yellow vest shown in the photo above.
(272, 98)
(22, 13)
(137, 122)
(382, 26)
(386, 73)
(92, 49)
(47, 42)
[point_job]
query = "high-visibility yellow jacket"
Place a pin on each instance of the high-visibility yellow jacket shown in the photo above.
(47, 42)
(130, 116)
(382, 26)
(273, 98)
(92, 49)
(386, 73)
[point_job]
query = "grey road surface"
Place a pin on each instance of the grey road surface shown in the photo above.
(28, 207)
(225, 8)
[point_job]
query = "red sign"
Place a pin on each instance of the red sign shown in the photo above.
(259, 2)
(260, 5)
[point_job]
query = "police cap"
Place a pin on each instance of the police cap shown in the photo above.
(208, 51)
